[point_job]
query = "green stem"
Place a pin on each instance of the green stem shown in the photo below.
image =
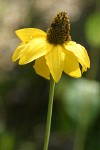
(49, 114)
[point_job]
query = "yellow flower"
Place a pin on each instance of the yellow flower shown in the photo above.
(53, 52)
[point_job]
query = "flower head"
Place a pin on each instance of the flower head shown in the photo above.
(53, 52)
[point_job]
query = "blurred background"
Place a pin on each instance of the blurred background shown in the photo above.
(24, 95)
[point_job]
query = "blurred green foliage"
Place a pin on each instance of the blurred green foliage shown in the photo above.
(7, 141)
(24, 95)
(80, 95)
(92, 30)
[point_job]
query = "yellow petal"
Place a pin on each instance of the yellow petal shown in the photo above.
(36, 48)
(71, 65)
(55, 60)
(18, 52)
(28, 34)
(41, 68)
(80, 52)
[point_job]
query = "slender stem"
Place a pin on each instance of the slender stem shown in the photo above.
(49, 114)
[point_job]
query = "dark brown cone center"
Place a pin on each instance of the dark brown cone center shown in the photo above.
(59, 31)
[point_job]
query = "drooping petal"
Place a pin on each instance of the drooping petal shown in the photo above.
(28, 34)
(34, 49)
(19, 50)
(80, 52)
(55, 61)
(71, 65)
(41, 68)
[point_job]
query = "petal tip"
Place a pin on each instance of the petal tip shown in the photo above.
(22, 61)
(13, 58)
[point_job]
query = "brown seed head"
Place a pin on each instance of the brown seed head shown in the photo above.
(59, 31)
